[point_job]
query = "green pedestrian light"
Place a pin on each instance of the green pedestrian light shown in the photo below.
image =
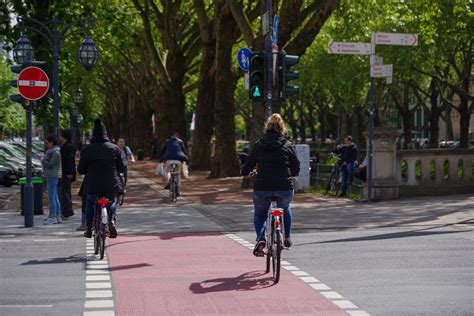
(257, 76)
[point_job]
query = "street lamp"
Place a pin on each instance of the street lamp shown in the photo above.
(88, 53)
(55, 32)
(77, 98)
(23, 50)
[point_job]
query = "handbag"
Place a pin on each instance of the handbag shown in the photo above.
(160, 170)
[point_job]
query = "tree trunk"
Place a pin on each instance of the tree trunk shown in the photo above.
(465, 116)
(225, 163)
(449, 123)
(435, 113)
(201, 142)
(407, 136)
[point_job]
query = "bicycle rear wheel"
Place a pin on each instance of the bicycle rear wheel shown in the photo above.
(276, 256)
(102, 241)
(172, 190)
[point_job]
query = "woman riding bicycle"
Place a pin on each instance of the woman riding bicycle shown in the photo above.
(277, 164)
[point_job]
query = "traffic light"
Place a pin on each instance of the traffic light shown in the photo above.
(257, 76)
(16, 69)
(284, 75)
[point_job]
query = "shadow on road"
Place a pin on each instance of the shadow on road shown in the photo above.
(70, 259)
(413, 233)
(131, 266)
(249, 281)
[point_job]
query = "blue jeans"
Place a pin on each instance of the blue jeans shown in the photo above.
(90, 205)
(347, 176)
(261, 207)
(54, 207)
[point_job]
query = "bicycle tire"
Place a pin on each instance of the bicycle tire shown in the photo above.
(276, 257)
(102, 241)
(176, 188)
(172, 191)
(96, 243)
(268, 257)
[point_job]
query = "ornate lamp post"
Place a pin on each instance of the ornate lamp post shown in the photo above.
(55, 32)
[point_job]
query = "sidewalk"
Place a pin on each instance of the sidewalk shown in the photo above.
(224, 205)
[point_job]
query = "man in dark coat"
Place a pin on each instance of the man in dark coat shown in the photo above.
(101, 163)
(68, 163)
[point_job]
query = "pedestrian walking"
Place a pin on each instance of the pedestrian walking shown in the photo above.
(68, 166)
(52, 172)
(126, 155)
(348, 152)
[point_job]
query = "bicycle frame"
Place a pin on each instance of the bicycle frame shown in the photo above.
(101, 223)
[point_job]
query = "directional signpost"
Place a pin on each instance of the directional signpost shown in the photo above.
(380, 71)
(396, 39)
(348, 48)
(377, 70)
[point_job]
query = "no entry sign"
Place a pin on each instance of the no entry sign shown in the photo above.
(33, 83)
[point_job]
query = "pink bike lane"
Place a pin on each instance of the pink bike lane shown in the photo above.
(203, 274)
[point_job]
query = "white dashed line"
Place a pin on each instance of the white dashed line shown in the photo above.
(100, 313)
(99, 303)
(344, 304)
(99, 294)
(98, 285)
(97, 271)
(336, 298)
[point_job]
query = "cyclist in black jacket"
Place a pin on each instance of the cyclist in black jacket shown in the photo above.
(101, 163)
(277, 164)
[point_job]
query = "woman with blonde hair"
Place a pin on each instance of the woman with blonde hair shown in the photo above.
(277, 164)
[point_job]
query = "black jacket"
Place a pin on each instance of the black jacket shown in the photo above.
(174, 150)
(68, 161)
(101, 163)
(348, 153)
(277, 163)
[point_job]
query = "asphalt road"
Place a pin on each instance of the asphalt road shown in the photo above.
(42, 275)
(392, 271)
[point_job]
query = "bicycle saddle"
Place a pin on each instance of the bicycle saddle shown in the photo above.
(273, 198)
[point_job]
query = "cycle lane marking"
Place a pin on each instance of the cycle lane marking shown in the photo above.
(323, 289)
(99, 293)
(183, 270)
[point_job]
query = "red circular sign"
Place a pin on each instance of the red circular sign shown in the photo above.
(33, 83)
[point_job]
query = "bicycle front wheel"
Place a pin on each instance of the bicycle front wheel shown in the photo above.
(276, 256)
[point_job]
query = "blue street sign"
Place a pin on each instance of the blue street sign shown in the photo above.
(243, 57)
(275, 30)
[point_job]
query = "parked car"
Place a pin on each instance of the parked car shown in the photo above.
(7, 175)
(17, 167)
(10, 151)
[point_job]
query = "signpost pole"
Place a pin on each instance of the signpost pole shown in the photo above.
(269, 62)
(371, 124)
(28, 198)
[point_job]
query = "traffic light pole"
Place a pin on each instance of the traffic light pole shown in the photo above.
(268, 62)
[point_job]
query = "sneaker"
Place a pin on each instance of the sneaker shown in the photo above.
(49, 221)
(343, 194)
(46, 218)
(81, 228)
(258, 250)
(167, 187)
(58, 220)
(287, 242)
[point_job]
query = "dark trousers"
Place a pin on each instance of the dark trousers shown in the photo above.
(65, 199)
